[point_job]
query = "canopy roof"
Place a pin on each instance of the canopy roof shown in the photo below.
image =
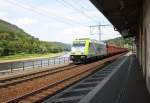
(123, 14)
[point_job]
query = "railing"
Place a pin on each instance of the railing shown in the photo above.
(30, 64)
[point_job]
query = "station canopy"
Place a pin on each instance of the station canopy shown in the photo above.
(123, 14)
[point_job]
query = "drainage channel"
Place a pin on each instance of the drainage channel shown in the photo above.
(79, 90)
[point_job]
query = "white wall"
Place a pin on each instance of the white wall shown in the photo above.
(144, 41)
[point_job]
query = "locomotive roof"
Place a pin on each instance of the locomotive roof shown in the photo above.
(90, 40)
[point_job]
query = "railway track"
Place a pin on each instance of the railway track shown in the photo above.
(36, 87)
(23, 78)
(86, 89)
(51, 88)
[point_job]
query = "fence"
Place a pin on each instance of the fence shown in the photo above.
(30, 64)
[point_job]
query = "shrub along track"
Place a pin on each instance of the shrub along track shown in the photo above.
(35, 89)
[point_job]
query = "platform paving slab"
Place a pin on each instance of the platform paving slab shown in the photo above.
(126, 86)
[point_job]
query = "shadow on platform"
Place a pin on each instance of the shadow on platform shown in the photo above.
(127, 85)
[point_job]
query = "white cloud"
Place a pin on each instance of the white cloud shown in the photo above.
(25, 21)
(77, 32)
(54, 19)
(3, 15)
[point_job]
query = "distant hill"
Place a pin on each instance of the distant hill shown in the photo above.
(14, 40)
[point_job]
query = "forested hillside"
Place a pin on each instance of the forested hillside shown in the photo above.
(14, 40)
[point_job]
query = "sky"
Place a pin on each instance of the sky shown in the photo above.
(57, 20)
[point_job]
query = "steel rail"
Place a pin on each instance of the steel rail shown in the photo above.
(15, 100)
(34, 76)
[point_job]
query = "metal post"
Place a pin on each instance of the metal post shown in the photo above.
(54, 60)
(64, 59)
(23, 65)
(33, 64)
(59, 60)
(11, 67)
(99, 27)
(41, 63)
(48, 61)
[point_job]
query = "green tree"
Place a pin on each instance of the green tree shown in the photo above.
(14, 40)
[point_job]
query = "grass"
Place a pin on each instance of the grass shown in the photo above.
(27, 56)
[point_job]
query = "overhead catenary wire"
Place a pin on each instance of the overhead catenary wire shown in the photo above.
(80, 11)
(44, 13)
(66, 3)
(78, 2)
(47, 14)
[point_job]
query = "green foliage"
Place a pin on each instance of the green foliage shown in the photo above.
(14, 40)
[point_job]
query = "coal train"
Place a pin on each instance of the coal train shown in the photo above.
(85, 49)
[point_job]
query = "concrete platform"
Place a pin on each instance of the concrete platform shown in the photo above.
(125, 86)
(119, 82)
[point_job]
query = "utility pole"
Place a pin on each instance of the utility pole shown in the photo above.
(99, 29)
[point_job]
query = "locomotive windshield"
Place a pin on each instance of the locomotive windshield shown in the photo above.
(78, 47)
(78, 44)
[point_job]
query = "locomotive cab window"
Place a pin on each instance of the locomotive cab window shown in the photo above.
(78, 44)
(78, 47)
